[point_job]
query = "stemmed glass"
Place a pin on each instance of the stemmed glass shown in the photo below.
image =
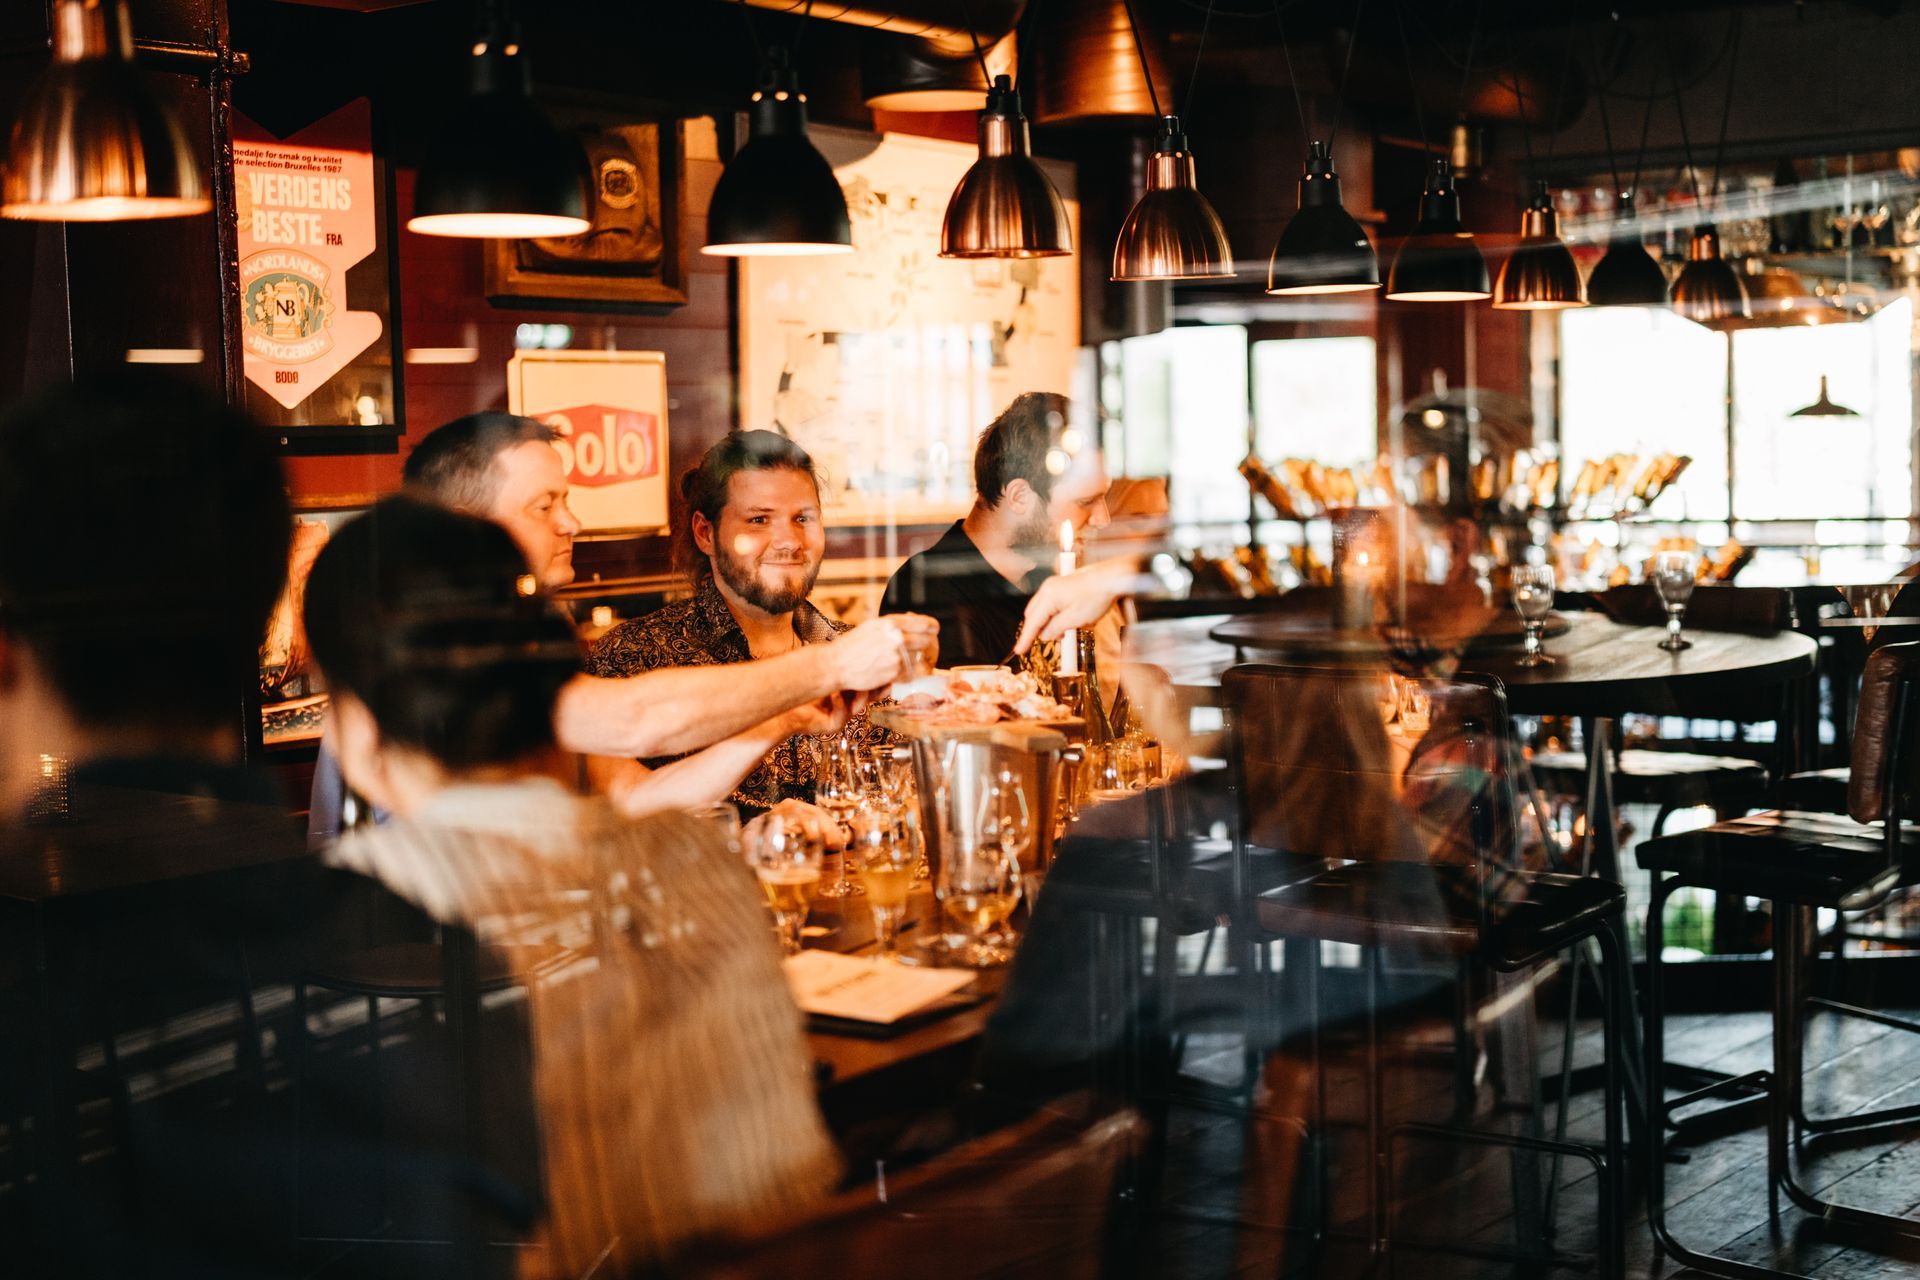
(1533, 597)
(1673, 578)
(786, 858)
(883, 851)
(978, 884)
(1006, 817)
(838, 790)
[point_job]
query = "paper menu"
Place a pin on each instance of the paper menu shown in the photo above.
(837, 986)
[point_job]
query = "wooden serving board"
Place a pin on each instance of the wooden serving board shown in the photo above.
(1037, 736)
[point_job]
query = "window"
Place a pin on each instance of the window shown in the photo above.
(1314, 398)
(1195, 378)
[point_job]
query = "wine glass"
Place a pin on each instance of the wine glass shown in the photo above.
(786, 857)
(838, 790)
(1533, 597)
(1007, 817)
(978, 885)
(1673, 578)
(884, 855)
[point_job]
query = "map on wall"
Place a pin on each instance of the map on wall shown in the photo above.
(885, 363)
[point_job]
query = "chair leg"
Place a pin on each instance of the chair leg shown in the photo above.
(1376, 1108)
(1614, 973)
(1653, 1040)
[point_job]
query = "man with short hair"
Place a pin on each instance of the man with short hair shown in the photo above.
(751, 549)
(1032, 475)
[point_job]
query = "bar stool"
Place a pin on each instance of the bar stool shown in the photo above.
(1308, 743)
(1800, 862)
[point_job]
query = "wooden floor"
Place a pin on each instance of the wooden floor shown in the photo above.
(1717, 1196)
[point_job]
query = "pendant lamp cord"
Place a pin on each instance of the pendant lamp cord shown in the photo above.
(1293, 81)
(753, 34)
(1726, 105)
(1600, 99)
(966, 15)
(1466, 68)
(1346, 66)
(1023, 45)
(1193, 77)
(800, 31)
(1140, 48)
(1559, 101)
(1686, 143)
(1413, 89)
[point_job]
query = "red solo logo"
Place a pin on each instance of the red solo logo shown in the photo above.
(600, 444)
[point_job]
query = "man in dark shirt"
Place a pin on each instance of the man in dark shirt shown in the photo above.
(1032, 474)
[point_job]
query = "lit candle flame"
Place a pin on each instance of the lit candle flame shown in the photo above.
(1066, 535)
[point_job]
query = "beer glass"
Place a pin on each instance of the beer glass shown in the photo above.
(884, 856)
(786, 858)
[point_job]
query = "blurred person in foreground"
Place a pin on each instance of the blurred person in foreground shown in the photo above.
(669, 1066)
(504, 468)
(144, 532)
(751, 549)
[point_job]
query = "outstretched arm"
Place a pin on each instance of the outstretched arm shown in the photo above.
(679, 709)
(708, 776)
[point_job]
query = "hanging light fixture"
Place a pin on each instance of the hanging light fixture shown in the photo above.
(904, 74)
(1708, 288)
(1439, 262)
(1004, 206)
(1626, 275)
(1322, 249)
(1093, 64)
(92, 143)
(1172, 233)
(499, 169)
(1823, 407)
(778, 195)
(1540, 274)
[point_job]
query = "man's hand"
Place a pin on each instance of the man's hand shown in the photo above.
(829, 715)
(877, 652)
(817, 822)
(1080, 599)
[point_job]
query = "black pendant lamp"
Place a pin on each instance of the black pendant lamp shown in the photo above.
(499, 169)
(1626, 275)
(1005, 207)
(778, 196)
(1823, 407)
(1322, 249)
(1708, 288)
(92, 143)
(1172, 232)
(1439, 262)
(1540, 274)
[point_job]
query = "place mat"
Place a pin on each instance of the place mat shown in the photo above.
(832, 987)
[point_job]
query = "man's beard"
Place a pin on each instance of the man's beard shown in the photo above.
(1037, 534)
(743, 581)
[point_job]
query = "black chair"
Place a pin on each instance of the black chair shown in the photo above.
(1800, 862)
(1670, 780)
(1310, 751)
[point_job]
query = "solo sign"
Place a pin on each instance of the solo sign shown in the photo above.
(609, 410)
(306, 214)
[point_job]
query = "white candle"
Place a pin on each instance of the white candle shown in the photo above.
(1070, 642)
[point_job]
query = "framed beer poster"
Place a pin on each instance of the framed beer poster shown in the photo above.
(610, 410)
(315, 300)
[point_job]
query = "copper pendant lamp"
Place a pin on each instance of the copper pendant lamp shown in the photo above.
(92, 143)
(1540, 274)
(1093, 64)
(1172, 233)
(1439, 262)
(498, 168)
(1708, 288)
(1005, 206)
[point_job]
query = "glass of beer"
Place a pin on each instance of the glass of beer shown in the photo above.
(786, 857)
(884, 855)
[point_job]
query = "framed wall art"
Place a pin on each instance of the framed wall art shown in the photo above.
(610, 409)
(885, 363)
(634, 256)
